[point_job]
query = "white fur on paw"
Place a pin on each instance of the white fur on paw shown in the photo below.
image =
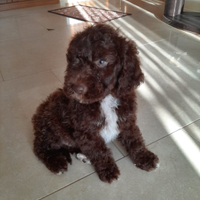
(82, 158)
(59, 173)
(157, 165)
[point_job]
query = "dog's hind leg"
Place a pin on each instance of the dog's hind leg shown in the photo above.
(55, 158)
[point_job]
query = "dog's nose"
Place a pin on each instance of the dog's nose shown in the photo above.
(79, 89)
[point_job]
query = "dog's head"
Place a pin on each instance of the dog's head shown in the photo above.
(100, 62)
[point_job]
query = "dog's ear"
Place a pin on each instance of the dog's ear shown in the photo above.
(131, 74)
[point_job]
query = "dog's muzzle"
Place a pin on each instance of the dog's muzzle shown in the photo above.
(79, 89)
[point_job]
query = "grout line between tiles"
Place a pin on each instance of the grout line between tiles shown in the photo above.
(66, 186)
(43, 26)
(12, 79)
(56, 76)
(174, 131)
(76, 181)
(118, 150)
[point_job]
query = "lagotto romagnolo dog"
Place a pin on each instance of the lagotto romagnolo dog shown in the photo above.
(96, 105)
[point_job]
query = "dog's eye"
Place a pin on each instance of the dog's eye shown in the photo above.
(101, 63)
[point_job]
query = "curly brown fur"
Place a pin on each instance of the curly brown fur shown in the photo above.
(103, 71)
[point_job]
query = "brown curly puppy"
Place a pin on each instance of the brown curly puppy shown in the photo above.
(96, 105)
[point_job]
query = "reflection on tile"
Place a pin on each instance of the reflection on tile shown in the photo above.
(171, 86)
(169, 97)
(142, 34)
(188, 142)
(176, 178)
(142, 27)
(156, 7)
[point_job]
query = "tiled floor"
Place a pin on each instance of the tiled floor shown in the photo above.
(32, 64)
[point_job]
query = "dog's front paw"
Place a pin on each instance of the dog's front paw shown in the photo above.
(146, 160)
(57, 164)
(109, 173)
(82, 158)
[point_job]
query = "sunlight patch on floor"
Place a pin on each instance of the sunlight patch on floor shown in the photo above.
(188, 147)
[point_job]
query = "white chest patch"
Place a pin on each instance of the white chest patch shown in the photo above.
(110, 131)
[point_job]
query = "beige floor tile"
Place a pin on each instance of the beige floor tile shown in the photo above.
(38, 44)
(19, 66)
(59, 73)
(9, 29)
(22, 96)
(176, 178)
(28, 11)
(9, 48)
(49, 20)
(1, 77)
(28, 27)
(31, 55)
